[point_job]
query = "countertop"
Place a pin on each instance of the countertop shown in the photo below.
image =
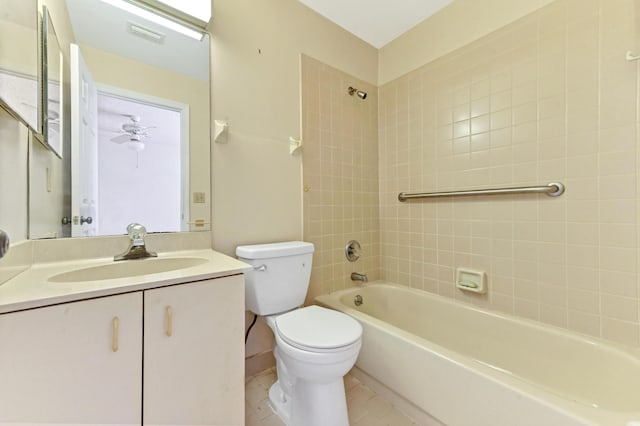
(31, 288)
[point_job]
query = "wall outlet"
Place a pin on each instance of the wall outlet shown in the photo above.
(198, 197)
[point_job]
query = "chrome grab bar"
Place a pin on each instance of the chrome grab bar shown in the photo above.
(553, 189)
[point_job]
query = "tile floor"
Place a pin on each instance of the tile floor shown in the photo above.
(365, 407)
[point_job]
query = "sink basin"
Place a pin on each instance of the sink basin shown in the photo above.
(128, 268)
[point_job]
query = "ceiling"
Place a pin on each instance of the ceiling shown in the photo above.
(376, 21)
(105, 27)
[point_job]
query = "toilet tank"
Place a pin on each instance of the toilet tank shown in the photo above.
(280, 276)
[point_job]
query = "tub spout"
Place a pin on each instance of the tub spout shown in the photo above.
(359, 277)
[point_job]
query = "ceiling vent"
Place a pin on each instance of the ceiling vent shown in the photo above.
(145, 33)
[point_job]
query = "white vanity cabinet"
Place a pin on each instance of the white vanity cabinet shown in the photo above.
(164, 356)
(74, 363)
(194, 353)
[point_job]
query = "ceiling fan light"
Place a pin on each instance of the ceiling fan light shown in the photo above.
(136, 146)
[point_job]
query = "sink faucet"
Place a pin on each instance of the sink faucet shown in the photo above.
(359, 277)
(137, 248)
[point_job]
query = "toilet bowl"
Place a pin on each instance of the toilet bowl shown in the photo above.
(314, 346)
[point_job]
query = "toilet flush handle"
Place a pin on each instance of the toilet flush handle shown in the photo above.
(261, 268)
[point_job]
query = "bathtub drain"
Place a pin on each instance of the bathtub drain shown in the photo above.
(357, 300)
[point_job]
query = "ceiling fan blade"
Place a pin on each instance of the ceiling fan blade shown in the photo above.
(135, 128)
(121, 139)
(105, 130)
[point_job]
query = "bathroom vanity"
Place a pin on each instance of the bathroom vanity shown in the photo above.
(91, 341)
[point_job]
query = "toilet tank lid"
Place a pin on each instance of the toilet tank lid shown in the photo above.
(264, 251)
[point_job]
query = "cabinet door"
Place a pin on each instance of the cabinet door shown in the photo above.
(74, 363)
(194, 353)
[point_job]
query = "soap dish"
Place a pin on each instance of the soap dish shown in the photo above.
(471, 280)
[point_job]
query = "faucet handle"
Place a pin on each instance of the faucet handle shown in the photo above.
(359, 277)
(136, 231)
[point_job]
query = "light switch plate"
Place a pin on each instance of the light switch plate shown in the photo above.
(198, 197)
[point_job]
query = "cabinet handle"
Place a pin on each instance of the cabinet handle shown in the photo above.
(169, 314)
(115, 325)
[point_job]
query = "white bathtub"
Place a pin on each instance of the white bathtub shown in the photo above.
(466, 366)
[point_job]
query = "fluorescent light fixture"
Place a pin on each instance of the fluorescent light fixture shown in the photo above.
(150, 16)
(200, 9)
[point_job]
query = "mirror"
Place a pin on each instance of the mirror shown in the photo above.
(52, 88)
(138, 145)
(19, 87)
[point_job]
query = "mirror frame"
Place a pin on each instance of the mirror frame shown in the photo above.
(50, 112)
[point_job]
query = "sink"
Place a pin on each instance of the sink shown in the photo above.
(128, 268)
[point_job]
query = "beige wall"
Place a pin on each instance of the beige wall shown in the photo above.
(46, 192)
(458, 24)
(257, 184)
(547, 98)
(340, 174)
(19, 56)
(256, 87)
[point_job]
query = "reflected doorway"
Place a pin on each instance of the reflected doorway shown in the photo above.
(142, 163)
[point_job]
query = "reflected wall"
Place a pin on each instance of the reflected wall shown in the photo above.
(14, 142)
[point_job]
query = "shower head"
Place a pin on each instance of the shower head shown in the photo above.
(362, 95)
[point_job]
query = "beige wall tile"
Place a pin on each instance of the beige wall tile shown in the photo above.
(558, 102)
(340, 172)
(621, 308)
(621, 331)
(584, 323)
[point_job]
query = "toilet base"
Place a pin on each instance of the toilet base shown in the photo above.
(279, 403)
(315, 405)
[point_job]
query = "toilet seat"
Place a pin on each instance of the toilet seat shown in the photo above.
(318, 329)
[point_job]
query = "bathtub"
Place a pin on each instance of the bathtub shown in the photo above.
(461, 365)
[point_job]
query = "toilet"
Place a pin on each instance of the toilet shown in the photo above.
(315, 347)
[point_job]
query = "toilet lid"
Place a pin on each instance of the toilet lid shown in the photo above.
(314, 327)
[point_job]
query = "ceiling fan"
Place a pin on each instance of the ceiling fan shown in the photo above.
(132, 133)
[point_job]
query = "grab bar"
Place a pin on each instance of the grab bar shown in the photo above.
(553, 189)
